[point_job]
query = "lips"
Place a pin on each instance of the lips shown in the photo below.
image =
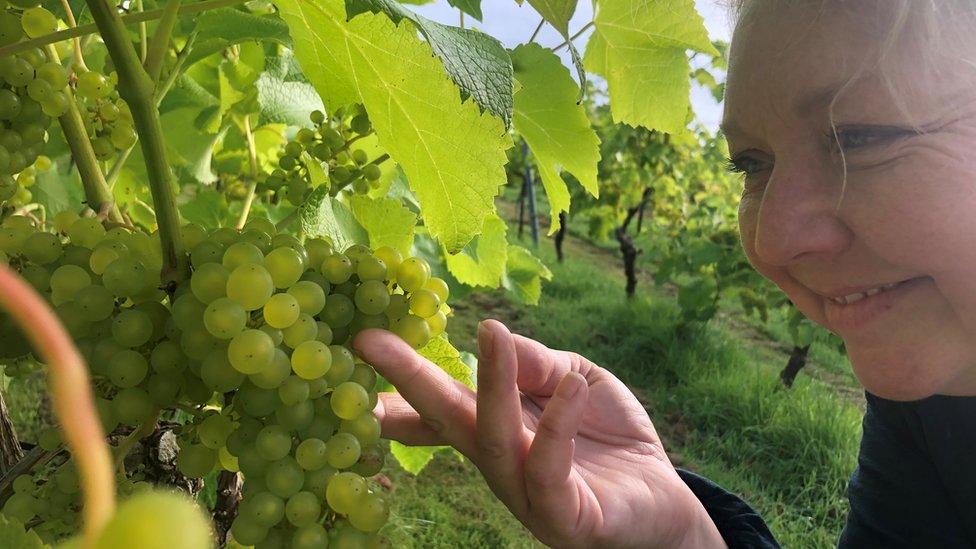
(857, 296)
(852, 309)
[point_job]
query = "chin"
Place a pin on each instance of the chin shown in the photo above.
(904, 374)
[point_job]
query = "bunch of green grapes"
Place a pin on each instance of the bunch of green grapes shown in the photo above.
(330, 145)
(107, 117)
(32, 93)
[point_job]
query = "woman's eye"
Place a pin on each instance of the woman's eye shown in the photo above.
(855, 138)
(745, 164)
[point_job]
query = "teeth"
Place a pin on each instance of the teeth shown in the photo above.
(853, 298)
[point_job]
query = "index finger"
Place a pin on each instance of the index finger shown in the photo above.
(444, 404)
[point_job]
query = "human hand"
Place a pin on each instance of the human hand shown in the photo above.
(562, 442)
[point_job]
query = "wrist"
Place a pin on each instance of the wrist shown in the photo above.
(701, 532)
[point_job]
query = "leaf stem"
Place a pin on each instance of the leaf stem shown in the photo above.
(537, 29)
(136, 88)
(160, 41)
(252, 158)
(575, 35)
(97, 193)
(143, 35)
(128, 19)
(71, 394)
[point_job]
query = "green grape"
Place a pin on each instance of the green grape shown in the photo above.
(345, 491)
(332, 137)
(287, 162)
(76, 255)
(412, 329)
(40, 91)
(347, 289)
(23, 484)
(195, 391)
(349, 400)
(214, 430)
(217, 373)
(10, 29)
(251, 351)
(196, 460)
(424, 303)
(365, 427)
(10, 105)
(297, 417)
(317, 479)
(284, 477)
(74, 320)
(242, 253)
(273, 443)
(132, 328)
(38, 22)
(316, 277)
(164, 390)
(281, 311)
(273, 376)
(372, 172)
(207, 251)
(358, 252)
(257, 402)
(339, 311)
(209, 282)
(412, 274)
(318, 249)
(337, 268)
(198, 343)
(371, 268)
(105, 254)
(360, 157)
(156, 520)
(250, 462)
(324, 333)
(264, 508)
(342, 450)
(309, 296)
(127, 369)
(372, 297)
(127, 277)
(188, 312)
(311, 454)
(86, 232)
(102, 147)
(275, 333)
(68, 280)
(304, 329)
(360, 124)
(262, 224)
(4, 161)
(285, 265)
(312, 536)
(227, 461)
(92, 85)
(243, 435)
(224, 318)
(42, 248)
(370, 513)
(250, 285)
(303, 509)
(38, 277)
(167, 358)
(20, 507)
(18, 73)
(55, 107)
(399, 307)
(437, 323)
(54, 74)
(370, 462)
(365, 375)
(342, 366)
(293, 390)
(247, 532)
(311, 359)
(192, 233)
(50, 439)
(123, 136)
(132, 405)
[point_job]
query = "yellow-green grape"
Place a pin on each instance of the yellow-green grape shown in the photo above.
(192, 233)
(285, 265)
(371, 268)
(42, 248)
(293, 390)
(262, 224)
(365, 427)
(273, 376)
(251, 351)
(37, 276)
(342, 450)
(309, 295)
(412, 329)
(337, 268)
(281, 311)
(312, 536)
(218, 374)
(275, 333)
(96, 302)
(365, 375)
(324, 333)
(297, 417)
(273, 443)
(250, 285)
(38, 22)
(214, 430)
(227, 461)
(127, 368)
(344, 492)
(437, 323)
(284, 477)
(342, 365)
(67, 280)
(370, 462)
(10, 29)
(167, 358)
(349, 400)
(412, 274)
(304, 329)
(63, 220)
(339, 311)
(372, 297)
(439, 287)
(164, 390)
(86, 232)
(205, 252)
(188, 312)
(132, 328)
(310, 454)
(424, 303)
(311, 359)
(209, 282)
(198, 343)
(127, 277)
(318, 249)
(360, 124)
(303, 509)
(247, 532)
(242, 253)
(264, 508)
(224, 318)
(104, 254)
(157, 520)
(399, 307)
(370, 513)
(132, 405)
(372, 172)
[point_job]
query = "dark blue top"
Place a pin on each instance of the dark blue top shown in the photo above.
(914, 485)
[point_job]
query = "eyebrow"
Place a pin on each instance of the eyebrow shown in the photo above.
(803, 106)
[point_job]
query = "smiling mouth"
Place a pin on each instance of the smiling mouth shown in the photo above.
(855, 297)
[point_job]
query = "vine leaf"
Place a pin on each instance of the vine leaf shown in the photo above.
(453, 156)
(556, 12)
(58, 191)
(482, 261)
(470, 7)
(524, 275)
(225, 27)
(554, 126)
(323, 215)
(413, 459)
(640, 48)
(475, 61)
(386, 221)
(440, 351)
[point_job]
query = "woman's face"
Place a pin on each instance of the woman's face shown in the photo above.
(887, 261)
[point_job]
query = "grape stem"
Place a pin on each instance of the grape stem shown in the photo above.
(75, 42)
(576, 35)
(142, 431)
(252, 158)
(97, 193)
(137, 89)
(143, 35)
(160, 41)
(71, 394)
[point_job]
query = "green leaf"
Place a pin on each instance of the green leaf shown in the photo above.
(58, 191)
(285, 102)
(452, 155)
(470, 7)
(440, 351)
(554, 125)
(639, 47)
(186, 92)
(482, 261)
(13, 536)
(413, 459)
(386, 221)
(475, 61)
(322, 215)
(524, 275)
(556, 12)
(225, 27)
(187, 145)
(207, 208)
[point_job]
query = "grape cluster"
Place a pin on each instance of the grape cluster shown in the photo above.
(253, 347)
(330, 146)
(31, 95)
(107, 117)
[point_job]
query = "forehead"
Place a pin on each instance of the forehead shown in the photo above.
(792, 60)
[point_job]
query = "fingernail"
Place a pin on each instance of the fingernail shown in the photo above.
(567, 389)
(486, 341)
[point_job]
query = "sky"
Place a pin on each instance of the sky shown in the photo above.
(513, 24)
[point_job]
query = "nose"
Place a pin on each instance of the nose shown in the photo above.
(799, 215)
